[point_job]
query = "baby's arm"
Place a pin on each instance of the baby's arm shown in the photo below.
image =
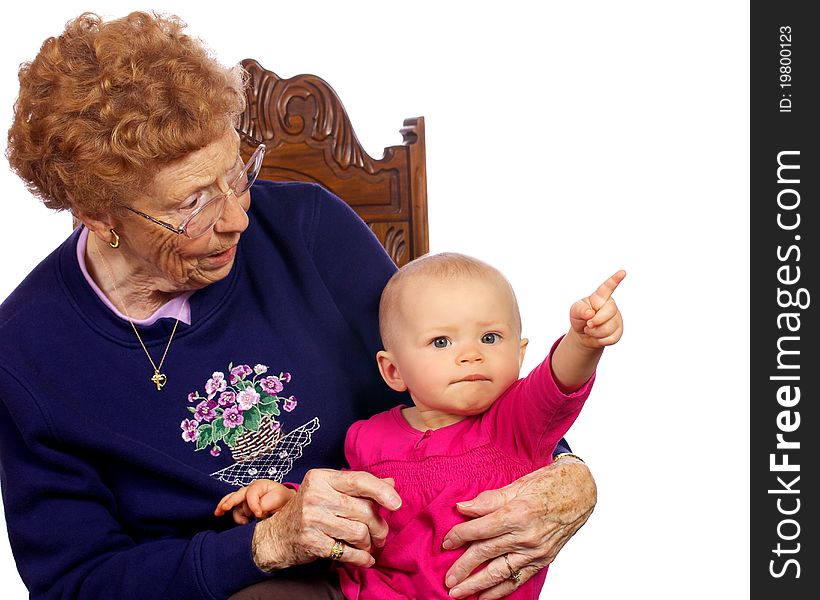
(595, 322)
(259, 500)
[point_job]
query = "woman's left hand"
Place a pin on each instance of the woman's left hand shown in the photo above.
(530, 520)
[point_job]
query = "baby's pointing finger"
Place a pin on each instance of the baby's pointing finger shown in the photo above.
(605, 290)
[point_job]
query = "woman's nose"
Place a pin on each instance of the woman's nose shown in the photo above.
(234, 216)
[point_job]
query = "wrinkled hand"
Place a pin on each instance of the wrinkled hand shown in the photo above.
(259, 500)
(531, 519)
(596, 319)
(329, 506)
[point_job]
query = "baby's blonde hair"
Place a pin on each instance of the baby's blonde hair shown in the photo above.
(444, 265)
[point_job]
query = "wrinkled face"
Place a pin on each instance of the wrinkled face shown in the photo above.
(174, 262)
(458, 344)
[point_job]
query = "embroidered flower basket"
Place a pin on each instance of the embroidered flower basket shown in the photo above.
(252, 444)
(239, 412)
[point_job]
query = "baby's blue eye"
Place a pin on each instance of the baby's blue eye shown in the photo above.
(490, 338)
(441, 342)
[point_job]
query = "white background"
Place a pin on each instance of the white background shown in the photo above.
(621, 131)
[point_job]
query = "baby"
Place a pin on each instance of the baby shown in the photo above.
(451, 331)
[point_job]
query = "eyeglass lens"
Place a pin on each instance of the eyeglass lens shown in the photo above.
(201, 221)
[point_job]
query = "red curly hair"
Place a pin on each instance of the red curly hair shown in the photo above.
(106, 105)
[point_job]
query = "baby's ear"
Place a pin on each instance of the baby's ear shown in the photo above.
(522, 350)
(390, 371)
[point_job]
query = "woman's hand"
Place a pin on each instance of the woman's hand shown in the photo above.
(531, 519)
(329, 506)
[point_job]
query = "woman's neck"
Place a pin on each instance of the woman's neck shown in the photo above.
(134, 294)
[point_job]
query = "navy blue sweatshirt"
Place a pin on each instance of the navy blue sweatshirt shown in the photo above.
(109, 485)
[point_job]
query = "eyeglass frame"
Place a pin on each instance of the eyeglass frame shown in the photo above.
(181, 230)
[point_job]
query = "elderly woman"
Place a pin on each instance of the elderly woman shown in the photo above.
(184, 340)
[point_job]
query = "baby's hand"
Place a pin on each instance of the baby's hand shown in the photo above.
(259, 500)
(596, 319)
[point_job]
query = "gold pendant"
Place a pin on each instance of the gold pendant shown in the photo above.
(159, 379)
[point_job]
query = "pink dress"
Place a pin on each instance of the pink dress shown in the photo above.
(435, 469)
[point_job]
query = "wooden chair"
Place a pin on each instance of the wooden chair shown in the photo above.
(309, 137)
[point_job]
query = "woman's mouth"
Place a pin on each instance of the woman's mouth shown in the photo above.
(222, 258)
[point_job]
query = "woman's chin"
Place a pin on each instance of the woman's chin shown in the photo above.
(208, 270)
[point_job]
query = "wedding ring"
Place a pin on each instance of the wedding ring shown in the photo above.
(337, 550)
(514, 575)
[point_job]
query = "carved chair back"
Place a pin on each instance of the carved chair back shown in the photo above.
(309, 137)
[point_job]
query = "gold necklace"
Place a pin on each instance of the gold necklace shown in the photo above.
(158, 378)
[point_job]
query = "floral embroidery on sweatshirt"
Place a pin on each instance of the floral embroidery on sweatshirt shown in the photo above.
(241, 413)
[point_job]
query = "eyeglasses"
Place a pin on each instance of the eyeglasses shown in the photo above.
(203, 218)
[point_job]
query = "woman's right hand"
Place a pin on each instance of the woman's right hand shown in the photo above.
(329, 506)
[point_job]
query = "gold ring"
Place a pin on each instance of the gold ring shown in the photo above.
(337, 550)
(514, 575)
